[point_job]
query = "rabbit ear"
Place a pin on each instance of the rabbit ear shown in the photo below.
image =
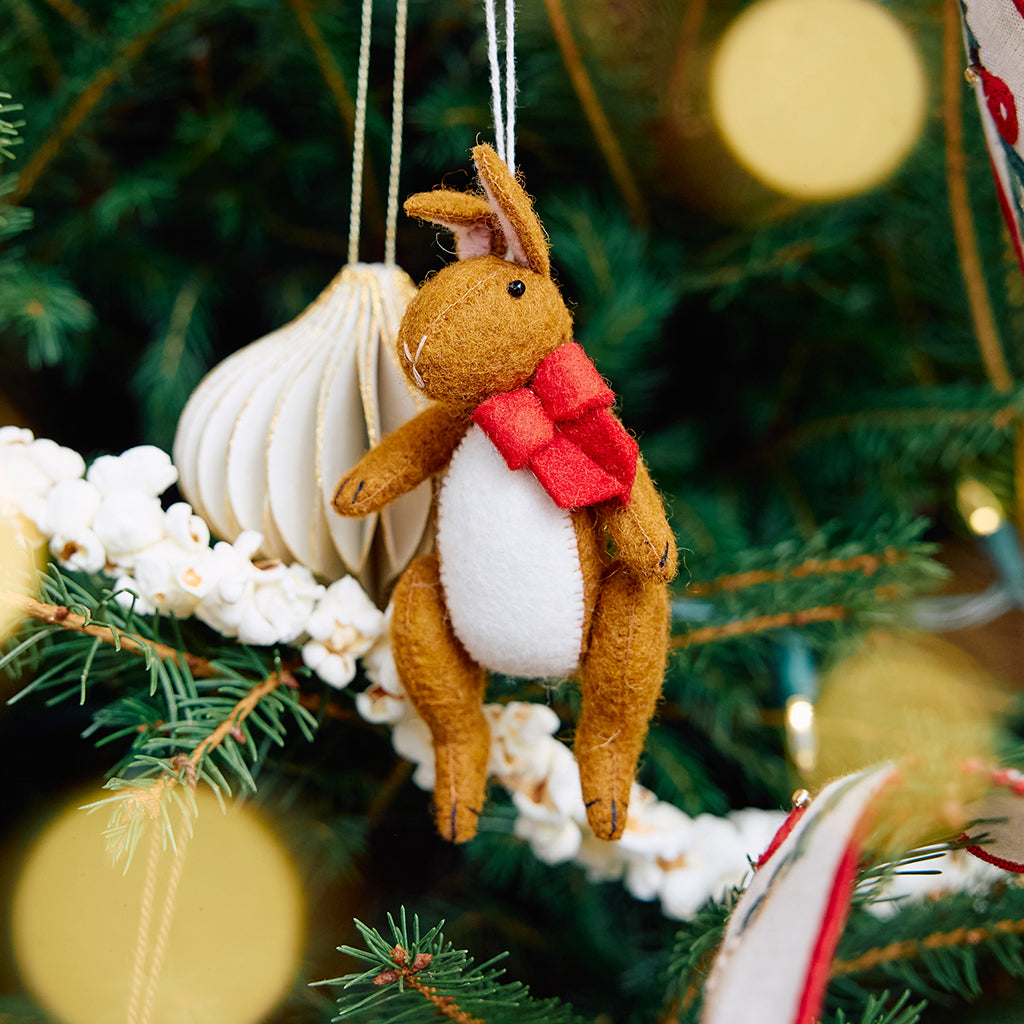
(513, 210)
(467, 216)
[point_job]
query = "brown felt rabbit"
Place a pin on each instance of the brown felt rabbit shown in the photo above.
(537, 475)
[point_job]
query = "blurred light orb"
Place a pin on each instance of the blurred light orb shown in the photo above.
(18, 562)
(234, 943)
(919, 701)
(906, 694)
(818, 99)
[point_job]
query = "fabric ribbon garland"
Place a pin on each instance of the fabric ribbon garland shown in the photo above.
(561, 427)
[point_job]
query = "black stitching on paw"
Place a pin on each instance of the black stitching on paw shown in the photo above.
(362, 484)
(664, 557)
(596, 800)
(615, 817)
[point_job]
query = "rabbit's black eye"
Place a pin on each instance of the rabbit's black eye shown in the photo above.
(516, 289)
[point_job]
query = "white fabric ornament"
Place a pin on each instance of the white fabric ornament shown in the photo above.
(1000, 818)
(994, 40)
(267, 434)
(781, 937)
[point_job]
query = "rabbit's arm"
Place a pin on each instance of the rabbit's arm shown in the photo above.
(402, 460)
(641, 532)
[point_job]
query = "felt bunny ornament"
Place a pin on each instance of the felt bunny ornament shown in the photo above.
(537, 476)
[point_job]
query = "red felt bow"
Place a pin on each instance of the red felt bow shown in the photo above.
(561, 427)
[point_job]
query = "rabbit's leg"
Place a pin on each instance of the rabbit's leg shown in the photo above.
(446, 687)
(620, 678)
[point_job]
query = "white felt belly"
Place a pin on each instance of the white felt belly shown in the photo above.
(509, 565)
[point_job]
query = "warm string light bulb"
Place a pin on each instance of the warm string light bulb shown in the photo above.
(801, 737)
(986, 519)
(799, 679)
(981, 509)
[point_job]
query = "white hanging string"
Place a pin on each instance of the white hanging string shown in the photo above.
(510, 85)
(359, 139)
(492, 60)
(397, 99)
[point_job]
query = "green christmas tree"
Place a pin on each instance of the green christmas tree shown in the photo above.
(824, 388)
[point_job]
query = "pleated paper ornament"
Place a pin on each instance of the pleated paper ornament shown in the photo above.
(267, 434)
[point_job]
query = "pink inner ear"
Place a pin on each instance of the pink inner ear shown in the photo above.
(472, 240)
(515, 246)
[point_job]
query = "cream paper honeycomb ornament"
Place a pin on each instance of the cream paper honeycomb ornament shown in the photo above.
(265, 437)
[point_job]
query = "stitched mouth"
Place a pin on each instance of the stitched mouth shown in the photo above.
(417, 376)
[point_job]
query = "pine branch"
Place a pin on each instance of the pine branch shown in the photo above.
(61, 617)
(875, 1011)
(933, 946)
(73, 14)
(760, 624)
(91, 95)
(824, 580)
(607, 142)
(866, 564)
(696, 943)
(139, 796)
(189, 718)
(913, 948)
(416, 978)
(934, 427)
(9, 134)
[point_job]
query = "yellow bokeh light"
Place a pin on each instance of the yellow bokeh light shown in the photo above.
(235, 937)
(18, 561)
(923, 703)
(818, 98)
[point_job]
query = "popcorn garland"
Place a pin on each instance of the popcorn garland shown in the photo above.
(109, 519)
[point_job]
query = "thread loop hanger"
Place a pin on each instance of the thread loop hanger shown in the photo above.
(359, 135)
(504, 120)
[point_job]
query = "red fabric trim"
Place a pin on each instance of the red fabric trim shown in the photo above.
(1001, 105)
(1008, 215)
(990, 858)
(786, 827)
(1005, 778)
(836, 911)
(561, 427)
(1007, 865)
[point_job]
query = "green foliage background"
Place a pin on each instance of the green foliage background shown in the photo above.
(804, 380)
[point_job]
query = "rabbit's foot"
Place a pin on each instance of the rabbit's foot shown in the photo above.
(461, 783)
(620, 679)
(446, 687)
